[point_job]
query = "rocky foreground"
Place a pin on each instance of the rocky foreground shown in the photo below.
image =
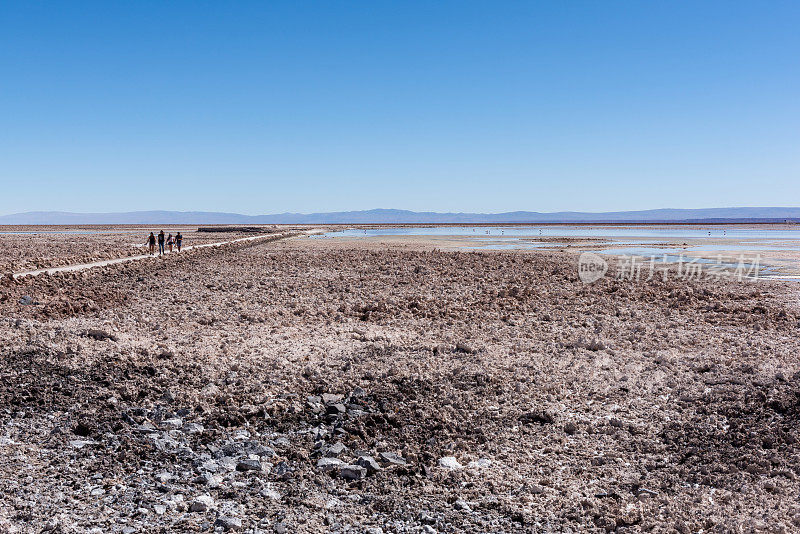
(290, 387)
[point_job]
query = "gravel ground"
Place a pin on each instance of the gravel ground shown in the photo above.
(295, 386)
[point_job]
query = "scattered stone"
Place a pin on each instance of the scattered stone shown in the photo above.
(210, 390)
(249, 465)
(270, 493)
(334, 450)
(207, 479)
(201, 504)
(172, 424)
(468, 348)
(535, 489)
(369, 463)
(281, 442)
(426, 518)
(462, 505)
(449, 462)
(79, 444)
(481, 463)
(644, 492)
(336, 409)
(99, 335)
(82, 429)
(352, 472)
(228, 523)
(328, 464)
(163, 477)
(192, 428)
(596, 345)
(539, 417)
(392, 458)
(146, 428)
(283, 470)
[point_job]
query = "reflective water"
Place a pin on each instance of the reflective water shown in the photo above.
(663, 232)
(642, 241)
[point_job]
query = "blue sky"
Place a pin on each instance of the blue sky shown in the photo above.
(265, 107)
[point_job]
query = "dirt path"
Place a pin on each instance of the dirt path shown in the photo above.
(84, 266)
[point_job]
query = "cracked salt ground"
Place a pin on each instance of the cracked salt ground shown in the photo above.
(305, 387)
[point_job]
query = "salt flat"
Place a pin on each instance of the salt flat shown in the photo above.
(320, 384)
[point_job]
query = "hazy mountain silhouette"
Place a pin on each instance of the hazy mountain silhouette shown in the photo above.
(389, 216)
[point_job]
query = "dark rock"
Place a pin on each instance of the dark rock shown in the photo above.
(596, 345)
(336, 409)
(462, 505)
(328, 464)
(228, 523)
(283, 470)
(352, 472)
(82, 429)
(99, 335)
(369, 463)
(248, 465)
(540, 417)
(465, 347)
(392, 458)
(201, 504)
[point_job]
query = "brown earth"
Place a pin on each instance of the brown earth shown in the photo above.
(205, 389)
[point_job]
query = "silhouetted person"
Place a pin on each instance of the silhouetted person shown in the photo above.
(169, 242)
(179, 240)
(161, 243)
(152, 242)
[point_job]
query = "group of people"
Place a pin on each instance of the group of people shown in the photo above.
(169, 241)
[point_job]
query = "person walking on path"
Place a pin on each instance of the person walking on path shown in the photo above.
(151, 241)
(169, 242)
(161, 243)
(179, 240)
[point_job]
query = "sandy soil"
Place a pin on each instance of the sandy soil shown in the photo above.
(318, 385)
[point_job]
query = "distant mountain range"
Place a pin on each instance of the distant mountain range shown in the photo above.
(392, 216)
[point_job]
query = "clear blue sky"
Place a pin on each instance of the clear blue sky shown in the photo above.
(265, 107)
